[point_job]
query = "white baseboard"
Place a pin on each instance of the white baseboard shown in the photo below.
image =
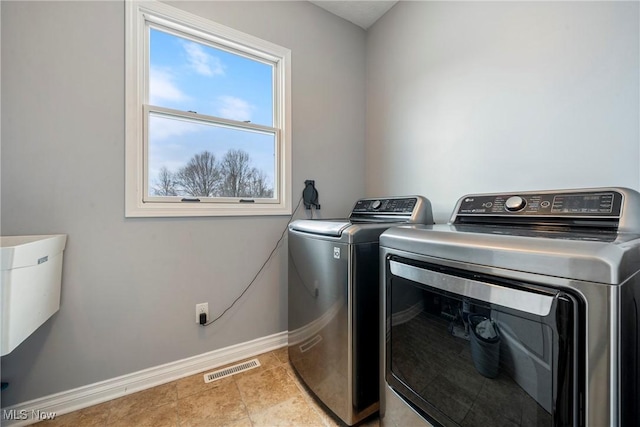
(92, 394)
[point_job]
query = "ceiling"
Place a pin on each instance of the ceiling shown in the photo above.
(361, 13)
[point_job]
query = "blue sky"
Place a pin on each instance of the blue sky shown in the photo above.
(189, 76)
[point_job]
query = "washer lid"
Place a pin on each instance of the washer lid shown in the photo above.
(324, 228)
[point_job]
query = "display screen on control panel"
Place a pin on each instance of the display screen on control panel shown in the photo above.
(583, 203)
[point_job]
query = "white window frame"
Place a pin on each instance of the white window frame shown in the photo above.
(137, 204)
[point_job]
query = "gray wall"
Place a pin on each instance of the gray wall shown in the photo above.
(466, 97)
(460, 97)
(130, 286)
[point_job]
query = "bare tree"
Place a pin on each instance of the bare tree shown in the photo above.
(165, 184)
(200, 177)
(258, 185)
(235, 168)
(203, 176)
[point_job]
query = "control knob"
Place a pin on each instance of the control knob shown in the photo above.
(376, 204)
(515, 203)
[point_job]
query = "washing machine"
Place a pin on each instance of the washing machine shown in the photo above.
(523, 310)
(333, 277)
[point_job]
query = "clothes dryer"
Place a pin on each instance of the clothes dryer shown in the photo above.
(553, 277)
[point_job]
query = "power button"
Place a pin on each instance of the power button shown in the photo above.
(515, 203)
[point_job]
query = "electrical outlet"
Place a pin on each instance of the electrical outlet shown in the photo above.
(202, 308)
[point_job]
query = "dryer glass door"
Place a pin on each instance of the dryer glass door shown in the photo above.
(466, 350)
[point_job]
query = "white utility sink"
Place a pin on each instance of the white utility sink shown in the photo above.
(30, 285)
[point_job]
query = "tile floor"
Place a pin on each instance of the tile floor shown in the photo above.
(270, 395)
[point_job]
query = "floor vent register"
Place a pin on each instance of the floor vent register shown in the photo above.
(231, 370)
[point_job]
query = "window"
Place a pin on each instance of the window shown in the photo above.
(207, 118)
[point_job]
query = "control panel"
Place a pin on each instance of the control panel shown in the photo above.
(403, 209)
(385, 206)
(557, 204)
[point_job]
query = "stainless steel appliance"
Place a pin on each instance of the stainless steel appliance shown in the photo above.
(522, 310)
(334, 302)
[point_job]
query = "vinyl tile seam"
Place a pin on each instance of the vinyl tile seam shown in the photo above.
(306, 395)
(114, 416)
(300, 393)
(244, 403)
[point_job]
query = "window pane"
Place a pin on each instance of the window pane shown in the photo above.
(188, 158)
(190, 76)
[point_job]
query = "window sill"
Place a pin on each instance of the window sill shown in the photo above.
(158, 210)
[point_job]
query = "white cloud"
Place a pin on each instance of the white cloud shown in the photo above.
(202, 62)
(234, 108)
(163, 88)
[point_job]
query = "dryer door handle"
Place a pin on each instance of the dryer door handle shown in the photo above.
(528, 302)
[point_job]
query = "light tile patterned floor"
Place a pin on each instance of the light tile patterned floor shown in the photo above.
(270, 395)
